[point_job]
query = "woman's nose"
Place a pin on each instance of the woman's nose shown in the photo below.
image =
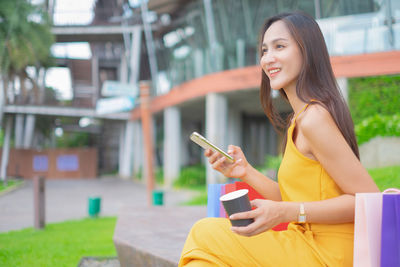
(267, 58)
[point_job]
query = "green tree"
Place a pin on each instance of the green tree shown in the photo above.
(25, 40)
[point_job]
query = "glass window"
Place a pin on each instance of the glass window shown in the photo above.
(336, 8)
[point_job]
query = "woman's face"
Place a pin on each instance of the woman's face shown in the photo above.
(281, 57)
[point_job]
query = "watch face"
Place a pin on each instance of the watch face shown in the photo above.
(302, 218)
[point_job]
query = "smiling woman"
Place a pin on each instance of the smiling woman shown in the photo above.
(320, 171)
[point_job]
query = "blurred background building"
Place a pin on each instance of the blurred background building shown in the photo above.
(202, 59)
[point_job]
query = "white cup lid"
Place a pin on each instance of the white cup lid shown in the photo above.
(234, 194)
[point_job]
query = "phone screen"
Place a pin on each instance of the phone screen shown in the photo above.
(204, 143)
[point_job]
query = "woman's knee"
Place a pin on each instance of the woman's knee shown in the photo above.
(209, 228)
(208, 224)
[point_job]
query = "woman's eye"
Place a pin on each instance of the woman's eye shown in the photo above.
(279, 46)
(264, 50)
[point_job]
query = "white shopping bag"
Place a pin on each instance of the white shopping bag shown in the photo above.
(367, 230)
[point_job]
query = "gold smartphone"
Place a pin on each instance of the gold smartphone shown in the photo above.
(204, 143)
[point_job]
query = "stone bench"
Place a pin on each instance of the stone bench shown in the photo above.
(154, 236)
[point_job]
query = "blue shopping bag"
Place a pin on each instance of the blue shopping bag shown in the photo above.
(213, 203)
(390, 242)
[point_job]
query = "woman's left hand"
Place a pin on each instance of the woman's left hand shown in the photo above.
(267, 214)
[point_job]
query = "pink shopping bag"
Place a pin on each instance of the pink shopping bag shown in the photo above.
(367, 234)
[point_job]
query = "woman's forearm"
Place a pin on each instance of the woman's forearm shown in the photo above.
(330, 211)
(268, 188)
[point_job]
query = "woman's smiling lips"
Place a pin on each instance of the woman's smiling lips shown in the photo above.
(273, 71)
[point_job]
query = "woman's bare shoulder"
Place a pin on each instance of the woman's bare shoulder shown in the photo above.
(315, 116)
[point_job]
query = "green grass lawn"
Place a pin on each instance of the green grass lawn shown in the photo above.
(200, 199)
(60, 244)
(386, 177)
(10, 183)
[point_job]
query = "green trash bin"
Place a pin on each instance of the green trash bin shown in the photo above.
(94, 206)
(158, 198)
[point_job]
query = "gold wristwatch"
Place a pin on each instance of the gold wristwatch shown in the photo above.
(302, 215)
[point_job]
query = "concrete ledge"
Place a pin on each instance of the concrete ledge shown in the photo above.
(153, 236)
(98, 262)
(380, 152)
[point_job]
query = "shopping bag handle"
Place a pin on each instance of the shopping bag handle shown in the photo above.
(391, 191)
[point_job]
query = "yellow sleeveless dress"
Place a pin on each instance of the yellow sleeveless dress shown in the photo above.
(301, 179)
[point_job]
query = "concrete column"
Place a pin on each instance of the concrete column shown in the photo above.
(126, 170)
(127, 130)
(219, 57)
(240, 53)
(317, 5)
(137, 148)
(95, 79)
(29, 130)
(123, 69)
(134, 62)
(199, 63)
(151, 51)
(6, 149)
(234, 127)
(212, 38)
(216, 121)
(19, 130)
(41, 81)
(172, 144)
(121, 151)
(343, 86)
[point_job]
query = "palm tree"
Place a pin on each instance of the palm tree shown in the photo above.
(25, 40)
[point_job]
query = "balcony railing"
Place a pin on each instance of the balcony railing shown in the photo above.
(364, 33)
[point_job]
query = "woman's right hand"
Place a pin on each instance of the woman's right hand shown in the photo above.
(238, 169)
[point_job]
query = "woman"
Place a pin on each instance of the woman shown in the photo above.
(319, 174)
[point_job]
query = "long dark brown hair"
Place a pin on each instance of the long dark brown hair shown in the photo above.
(316, 79)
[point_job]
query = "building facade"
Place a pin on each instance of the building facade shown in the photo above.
(202, 59)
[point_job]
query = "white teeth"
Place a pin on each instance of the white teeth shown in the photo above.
(274, 71)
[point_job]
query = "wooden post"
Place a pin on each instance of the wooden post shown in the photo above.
(39, 202)
(147, 136)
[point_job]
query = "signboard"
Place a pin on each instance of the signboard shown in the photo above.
(115, 104)
(40, 163)
(115, 88)
(67, 163)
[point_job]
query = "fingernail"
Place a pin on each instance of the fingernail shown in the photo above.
(230, 151)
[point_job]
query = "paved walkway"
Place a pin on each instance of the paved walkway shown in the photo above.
(68, 199)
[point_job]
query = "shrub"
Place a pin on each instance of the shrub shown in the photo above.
(374, 95)
(68, 140)
(159, 176)
(191, 176)
(377, 125)
(273, 162)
